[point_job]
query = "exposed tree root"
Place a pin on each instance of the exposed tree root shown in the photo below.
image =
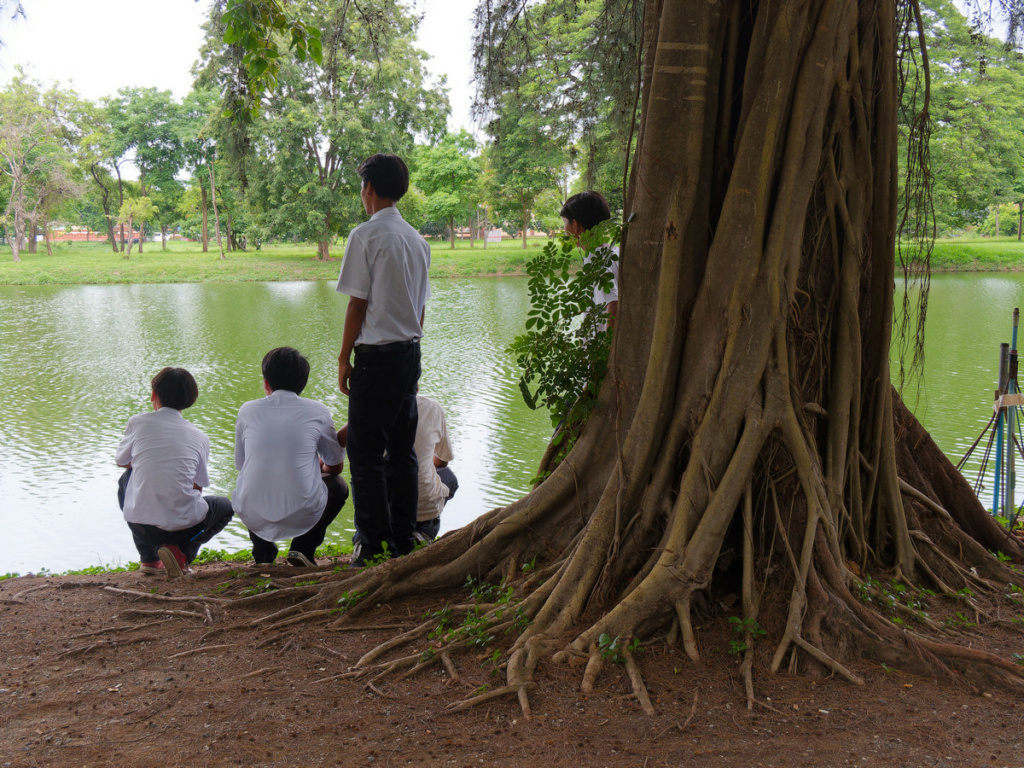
(489, 696)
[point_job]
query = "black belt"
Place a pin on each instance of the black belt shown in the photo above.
(376, 349)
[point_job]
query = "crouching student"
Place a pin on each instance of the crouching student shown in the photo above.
(160, 492)
(437, 482)
(288, 460)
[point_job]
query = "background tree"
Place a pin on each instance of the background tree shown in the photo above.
(367, 94)
(447, 173)
(136, 210)
(34, 156)
(144, 120)
(525, 159)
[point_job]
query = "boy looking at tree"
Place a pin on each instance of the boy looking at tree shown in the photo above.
(160, 493)
(288, 461)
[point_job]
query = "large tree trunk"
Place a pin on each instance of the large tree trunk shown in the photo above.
(323, 249)
(746, 433)
(33, 233)
(142, 234)
(451, 231)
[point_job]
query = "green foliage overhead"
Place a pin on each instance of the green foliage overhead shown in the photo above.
(257, 28)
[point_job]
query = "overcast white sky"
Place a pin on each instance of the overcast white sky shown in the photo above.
(102, 45)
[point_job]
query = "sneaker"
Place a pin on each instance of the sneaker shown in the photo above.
(299, 560)
(175, 564)
(154, 568)
(421, 538)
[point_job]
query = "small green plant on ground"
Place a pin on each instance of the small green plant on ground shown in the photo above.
(610, 648)
(261, 586)
(959, 621)
(742, 627)
(347, 600)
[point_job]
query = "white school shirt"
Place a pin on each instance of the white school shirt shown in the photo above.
(431, 440)
(168, 454)
(387, 263)
(603, 298)
(278, 440)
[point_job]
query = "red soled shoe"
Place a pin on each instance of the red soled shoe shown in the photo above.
(175, 564)
(154, 568)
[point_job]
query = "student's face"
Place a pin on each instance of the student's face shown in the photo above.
(572, 227)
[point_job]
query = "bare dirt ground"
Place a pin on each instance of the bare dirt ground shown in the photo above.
(93, 677)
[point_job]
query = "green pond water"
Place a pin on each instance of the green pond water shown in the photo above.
(75, 363)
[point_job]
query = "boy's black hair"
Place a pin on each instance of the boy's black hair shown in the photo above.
(588, 208)
(286, 368)
(176, 388)
(388, 174)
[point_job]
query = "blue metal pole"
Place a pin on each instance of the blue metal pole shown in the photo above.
(1004, 360)
(1010, 505)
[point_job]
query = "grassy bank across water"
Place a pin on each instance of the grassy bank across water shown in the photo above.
(96, 264)
(978, 255)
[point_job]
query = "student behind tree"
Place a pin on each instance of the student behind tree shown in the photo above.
(580, 214)
(160, 493)
(288, 461)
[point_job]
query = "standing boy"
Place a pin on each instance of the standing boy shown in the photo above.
(160, 493)
(385, 274)
(288, 461)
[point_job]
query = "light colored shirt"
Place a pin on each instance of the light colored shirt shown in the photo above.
(603, 298)
(168, 455)
(431, 441)
(278, 442)
(387, 263)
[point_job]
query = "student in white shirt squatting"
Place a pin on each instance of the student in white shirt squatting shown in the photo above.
(385, 274)
(160, 493)
(437, 483)
(288, 461)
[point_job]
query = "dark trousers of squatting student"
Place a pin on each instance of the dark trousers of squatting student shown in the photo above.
(264, 551)
(149, 538)
(382, 418)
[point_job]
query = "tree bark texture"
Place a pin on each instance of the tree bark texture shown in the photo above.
(747, 431)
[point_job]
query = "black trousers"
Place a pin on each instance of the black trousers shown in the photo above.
(264, 551)
(382, 421)
(148, 538)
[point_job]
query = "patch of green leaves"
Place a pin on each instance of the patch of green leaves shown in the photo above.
(261, 586)
(347, 600)
(959, 621)
(742, 627)
(563, 355)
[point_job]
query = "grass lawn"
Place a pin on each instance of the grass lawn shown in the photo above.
(96, 264)
(978, 254)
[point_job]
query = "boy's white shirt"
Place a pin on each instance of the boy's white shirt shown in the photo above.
(168, 455)
(278, 440)
(431, 440)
